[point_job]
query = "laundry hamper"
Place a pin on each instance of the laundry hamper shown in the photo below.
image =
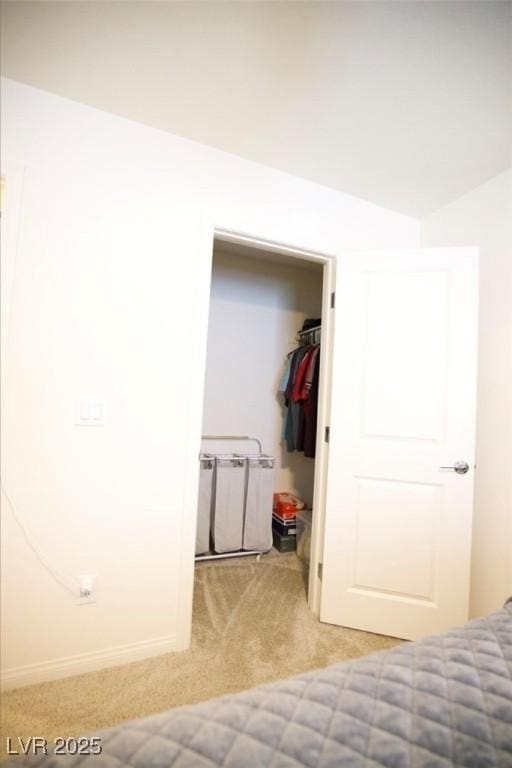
(235, 500)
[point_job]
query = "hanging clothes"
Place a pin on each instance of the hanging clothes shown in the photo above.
(299, 389)
(295, 414)
(300, 375)
(312, 411)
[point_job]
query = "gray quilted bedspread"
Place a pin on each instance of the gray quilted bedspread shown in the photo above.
(443, 701)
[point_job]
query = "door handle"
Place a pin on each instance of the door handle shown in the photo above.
(460, 467)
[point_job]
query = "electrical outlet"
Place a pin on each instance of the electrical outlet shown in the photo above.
(87, 593)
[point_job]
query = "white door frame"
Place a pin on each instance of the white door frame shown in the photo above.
(211, 233)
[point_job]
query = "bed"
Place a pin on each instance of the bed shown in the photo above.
(443, 701)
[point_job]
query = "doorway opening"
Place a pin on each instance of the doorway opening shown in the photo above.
(265, 428)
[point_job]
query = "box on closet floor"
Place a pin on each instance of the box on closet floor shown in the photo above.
(284, 527)
(284, 511)
(283, 543)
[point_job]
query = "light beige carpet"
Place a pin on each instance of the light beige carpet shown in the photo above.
(251, 625)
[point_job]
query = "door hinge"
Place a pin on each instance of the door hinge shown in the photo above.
(327, 434)
(320, 570)
(333, 299)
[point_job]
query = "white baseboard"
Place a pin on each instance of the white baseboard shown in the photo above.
(66, 666)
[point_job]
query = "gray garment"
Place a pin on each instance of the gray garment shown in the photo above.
(228, 515)
(204, 506)
(294, 409)
(442, 702)
(258, 506)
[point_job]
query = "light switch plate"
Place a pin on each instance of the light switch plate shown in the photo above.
(91, 413)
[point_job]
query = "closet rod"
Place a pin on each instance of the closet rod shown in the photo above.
(310, 330)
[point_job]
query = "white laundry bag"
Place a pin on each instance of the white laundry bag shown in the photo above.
(228, 517)
(258, 505)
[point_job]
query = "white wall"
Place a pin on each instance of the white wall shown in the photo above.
(483, 217)
(256, 308)
(107, 250)
(401, 103)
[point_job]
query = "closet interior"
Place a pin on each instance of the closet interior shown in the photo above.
(257, 461)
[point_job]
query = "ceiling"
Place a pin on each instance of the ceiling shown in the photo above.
(405, 104)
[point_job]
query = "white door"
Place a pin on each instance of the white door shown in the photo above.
(398, 523)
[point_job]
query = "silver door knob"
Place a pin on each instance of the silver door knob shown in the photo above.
(460, 467)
